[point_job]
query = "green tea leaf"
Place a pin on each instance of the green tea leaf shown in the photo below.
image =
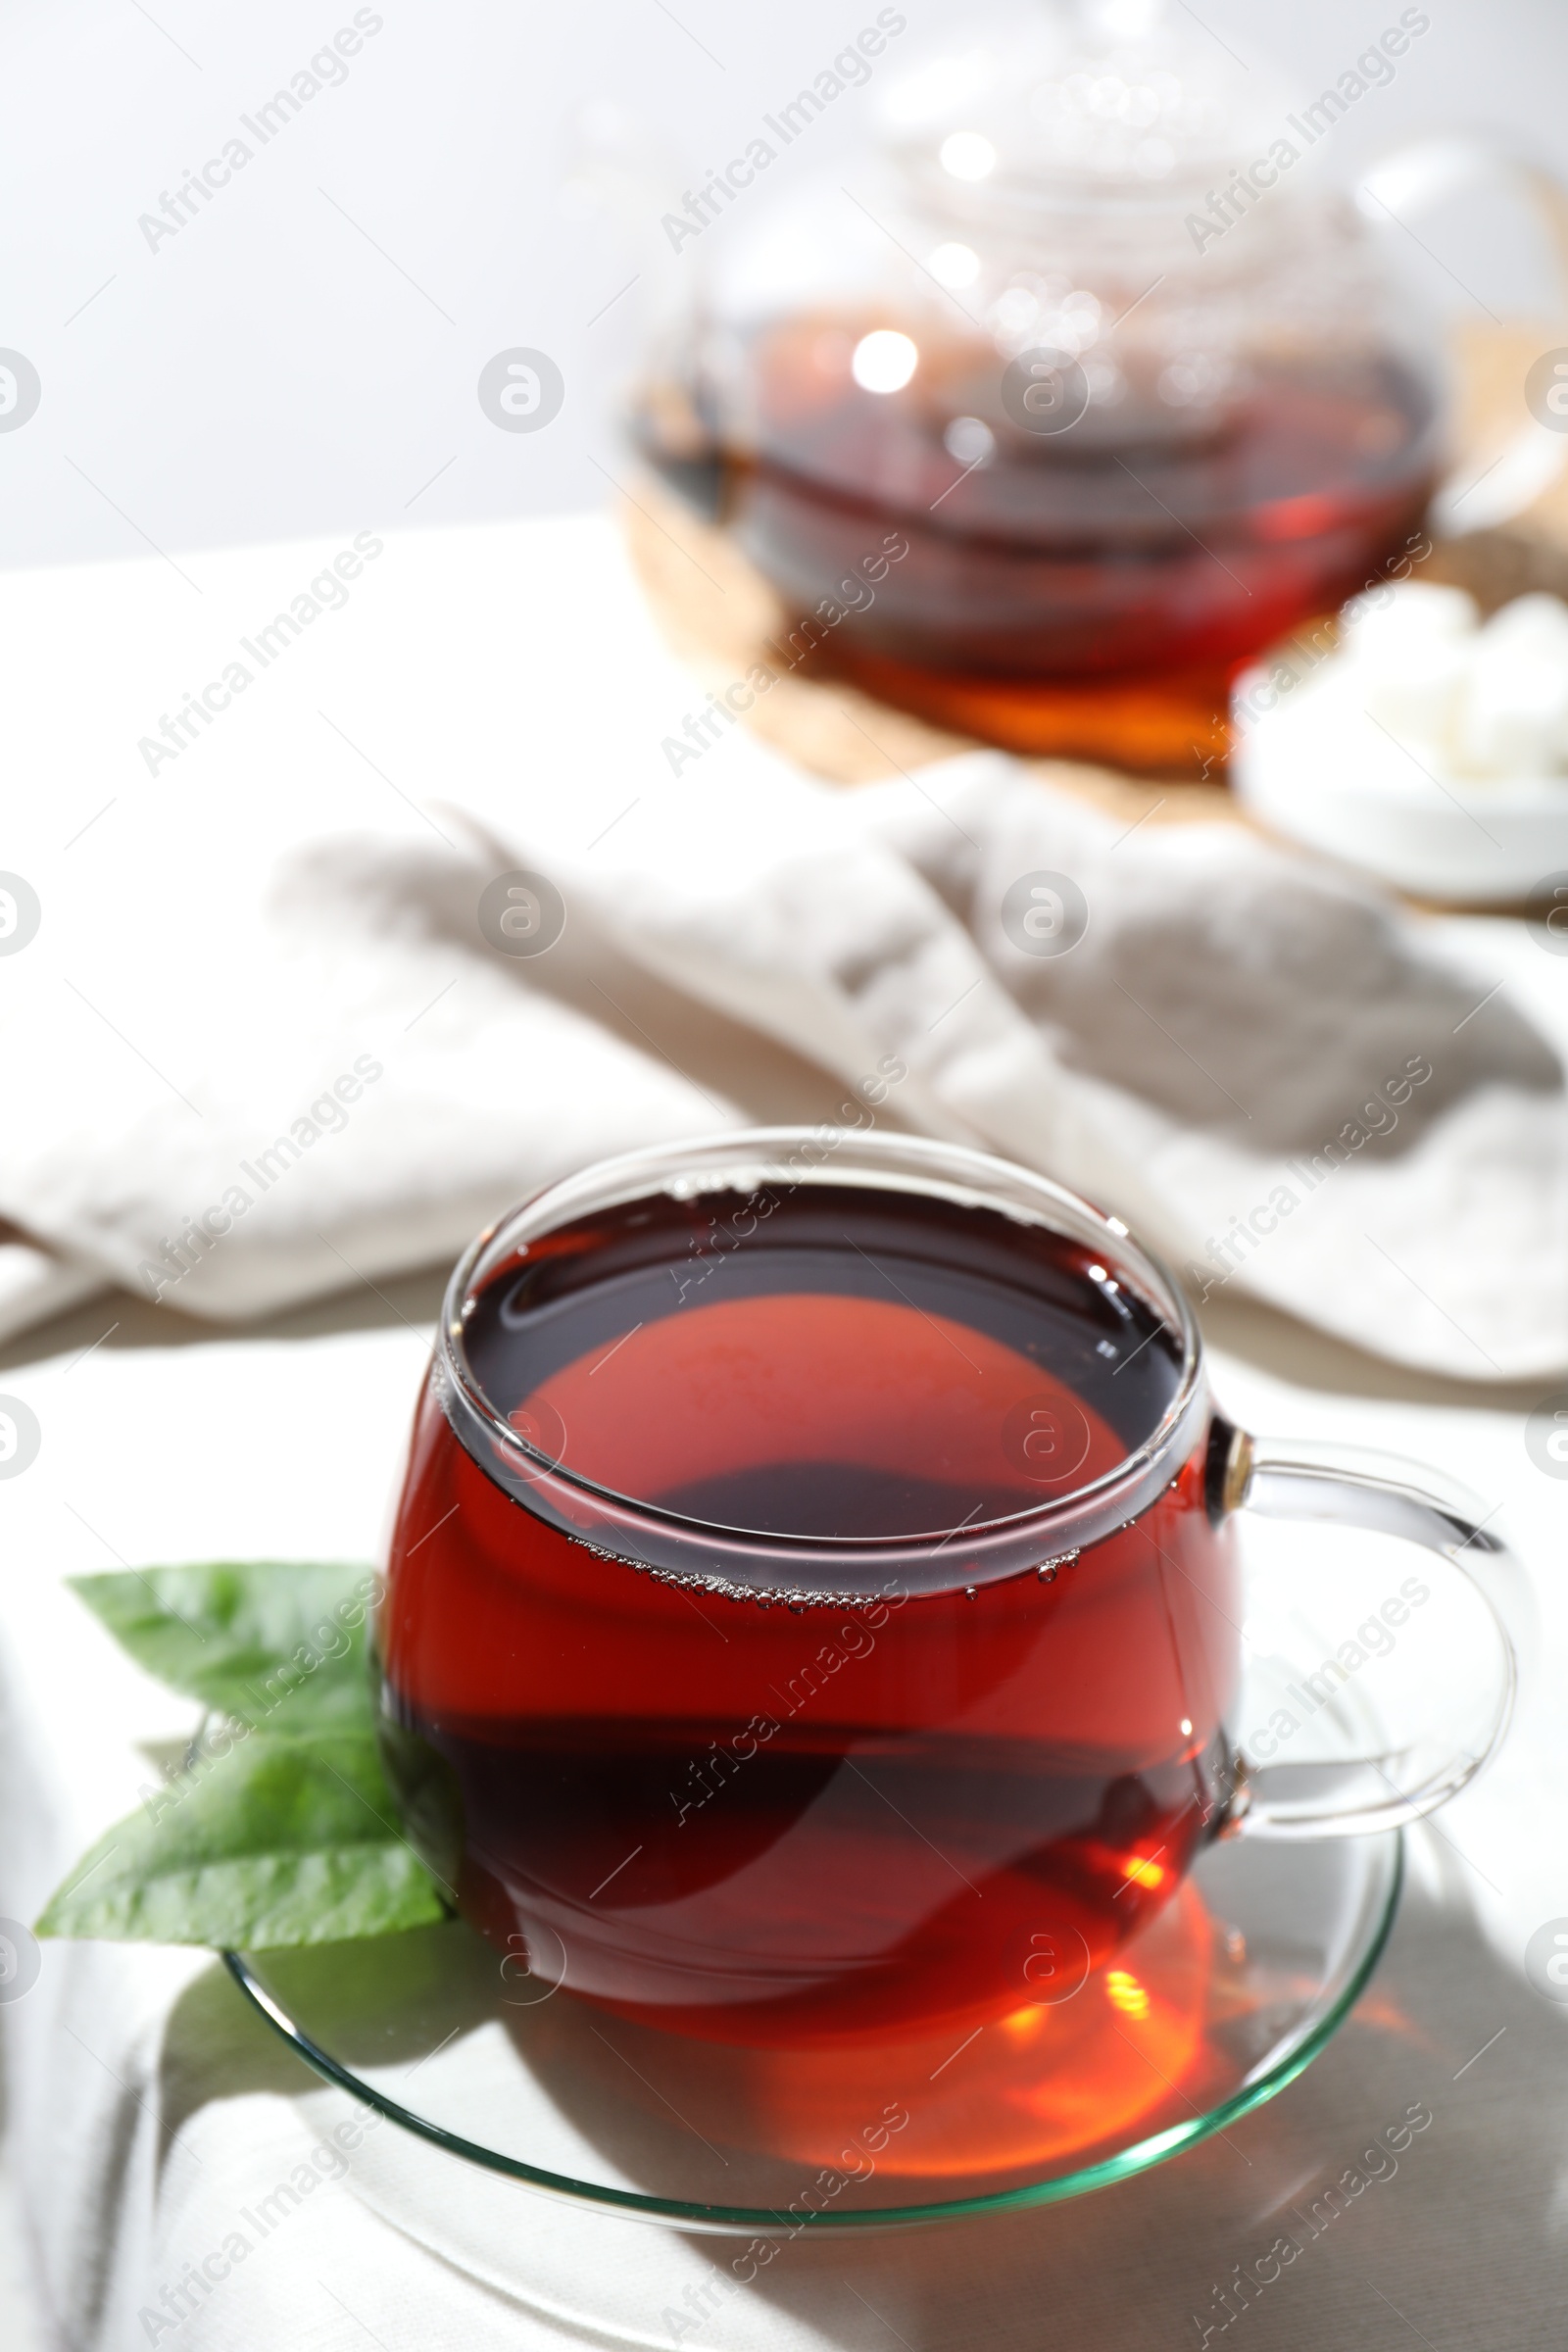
(279, 1643)
(284, 1829)
(277, 1841)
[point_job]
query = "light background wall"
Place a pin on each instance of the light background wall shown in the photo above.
(303, 356)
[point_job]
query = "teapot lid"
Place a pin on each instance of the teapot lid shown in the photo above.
(1079, 104)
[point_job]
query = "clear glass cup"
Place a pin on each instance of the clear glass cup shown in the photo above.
(813, 1614)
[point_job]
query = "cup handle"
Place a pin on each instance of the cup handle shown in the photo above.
(1355, 1487)
(1403, 185)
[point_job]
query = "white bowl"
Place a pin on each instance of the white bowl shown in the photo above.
(1317, 769)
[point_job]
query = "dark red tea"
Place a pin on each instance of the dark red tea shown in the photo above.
(1092, 591)
(790, 1824)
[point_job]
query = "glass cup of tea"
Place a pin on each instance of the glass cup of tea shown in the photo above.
(814, 1609)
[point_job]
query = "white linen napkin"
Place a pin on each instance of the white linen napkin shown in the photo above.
(262, 1045)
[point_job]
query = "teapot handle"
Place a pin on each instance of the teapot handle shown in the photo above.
(1403, 184)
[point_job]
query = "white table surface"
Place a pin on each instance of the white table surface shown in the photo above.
(148, 2108)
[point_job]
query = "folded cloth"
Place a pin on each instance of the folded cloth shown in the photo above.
(259, 1048)
(1270, 1073)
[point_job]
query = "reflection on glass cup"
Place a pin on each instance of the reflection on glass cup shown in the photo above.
(814, 1609)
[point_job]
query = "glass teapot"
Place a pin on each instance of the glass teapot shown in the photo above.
(1079, 391)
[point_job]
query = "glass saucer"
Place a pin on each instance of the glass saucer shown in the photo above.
(1218, 2003)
